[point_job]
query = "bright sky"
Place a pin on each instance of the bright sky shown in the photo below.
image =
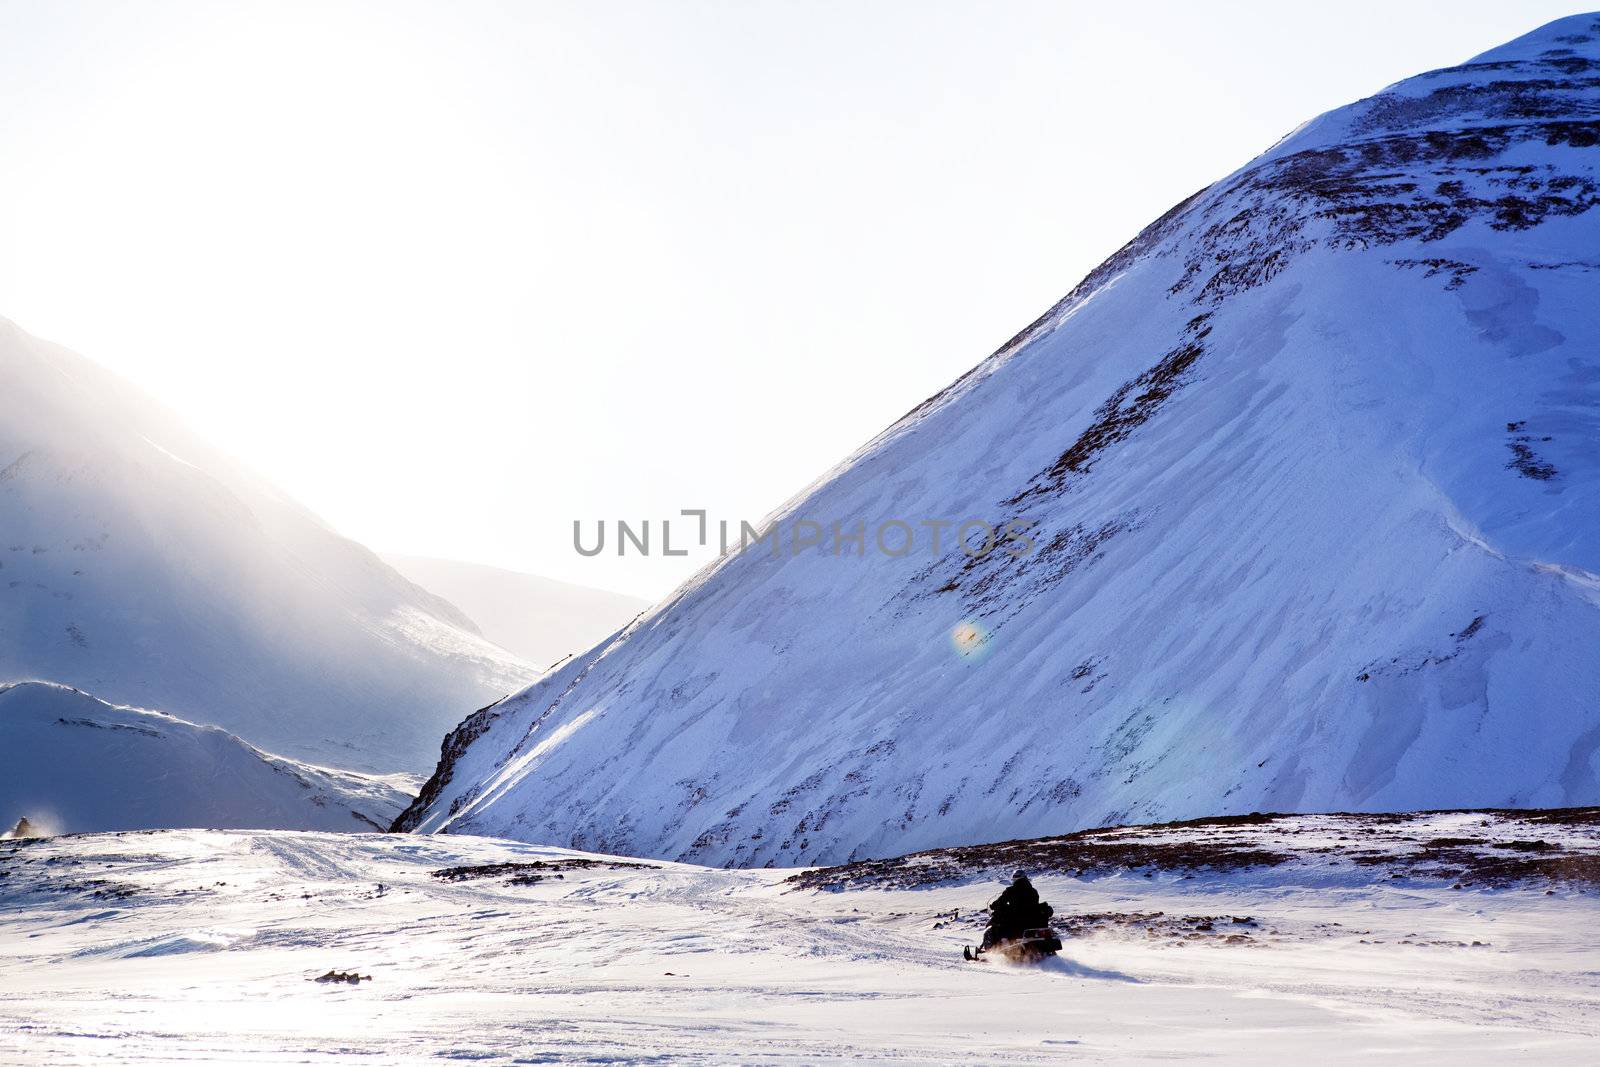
(456, 274)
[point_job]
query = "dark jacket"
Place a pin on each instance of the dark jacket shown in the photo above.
(1016, 910)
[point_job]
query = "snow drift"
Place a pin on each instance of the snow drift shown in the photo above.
(139, 564)
(1311, 939)
(72, 764)
(1313, 465)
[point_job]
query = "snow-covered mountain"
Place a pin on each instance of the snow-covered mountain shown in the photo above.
(139, 564)
(540, 619)
(71, 763)
(1312, 464)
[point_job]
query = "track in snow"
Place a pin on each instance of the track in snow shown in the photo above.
(198, 946)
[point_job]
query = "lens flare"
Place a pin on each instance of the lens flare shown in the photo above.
(969, 639)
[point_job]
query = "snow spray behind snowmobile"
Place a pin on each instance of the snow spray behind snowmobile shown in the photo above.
(1019, 926)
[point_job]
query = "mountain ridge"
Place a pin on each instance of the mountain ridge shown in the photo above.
(1312, 465)
(73, 763)
(140, 564)
(543, 620)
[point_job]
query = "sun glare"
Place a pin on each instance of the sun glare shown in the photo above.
(970, 640)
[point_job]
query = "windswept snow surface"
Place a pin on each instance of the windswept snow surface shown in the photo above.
(190, 946)
(70, 763)
(139, 564)
(1314, 468)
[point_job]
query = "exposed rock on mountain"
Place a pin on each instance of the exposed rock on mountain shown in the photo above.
(1311, 467)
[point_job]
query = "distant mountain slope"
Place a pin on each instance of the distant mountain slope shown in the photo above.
(540, 619)
(71, 763)
(1313, 465)
(139, 564)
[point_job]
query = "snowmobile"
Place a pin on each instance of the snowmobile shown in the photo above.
(1031, 946)
(1019, 926)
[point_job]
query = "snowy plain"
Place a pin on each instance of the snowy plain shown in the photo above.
(201, 946)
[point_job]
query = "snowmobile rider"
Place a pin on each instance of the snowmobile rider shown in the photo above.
(1017, 910)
